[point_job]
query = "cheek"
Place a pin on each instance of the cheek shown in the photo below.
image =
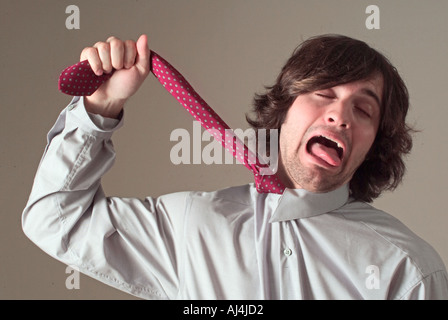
(286, 139)
(295, 127)
(291, 136)
(288, 132)
(364, 142)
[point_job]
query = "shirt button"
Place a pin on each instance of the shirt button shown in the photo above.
(287, 252)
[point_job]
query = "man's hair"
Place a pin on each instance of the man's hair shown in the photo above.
(326, 61)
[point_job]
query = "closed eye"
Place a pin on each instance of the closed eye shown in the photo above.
(363, 112)
(324, 96)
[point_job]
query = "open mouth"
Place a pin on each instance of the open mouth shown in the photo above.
(326, 149)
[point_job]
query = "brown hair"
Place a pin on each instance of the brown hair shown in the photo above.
(330, 60)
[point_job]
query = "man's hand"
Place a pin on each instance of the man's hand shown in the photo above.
(130, 59)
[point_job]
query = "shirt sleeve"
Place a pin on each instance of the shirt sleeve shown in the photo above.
(432, 287)
(130, 244)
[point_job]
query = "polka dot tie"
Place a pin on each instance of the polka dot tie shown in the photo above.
(80, 80)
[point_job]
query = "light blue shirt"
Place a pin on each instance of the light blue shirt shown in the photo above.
(229, 244)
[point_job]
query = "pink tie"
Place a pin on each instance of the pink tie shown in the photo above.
(80, 80)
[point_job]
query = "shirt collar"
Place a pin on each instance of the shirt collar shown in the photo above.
(300, 204)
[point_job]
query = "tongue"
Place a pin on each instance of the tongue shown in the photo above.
(327, 154)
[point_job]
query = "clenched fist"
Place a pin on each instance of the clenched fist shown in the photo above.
(130, 59)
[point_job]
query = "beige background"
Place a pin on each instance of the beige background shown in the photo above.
(228, 50)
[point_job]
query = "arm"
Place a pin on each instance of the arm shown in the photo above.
(432, 287)
(126, 243)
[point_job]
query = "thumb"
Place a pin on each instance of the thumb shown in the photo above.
(143, 53)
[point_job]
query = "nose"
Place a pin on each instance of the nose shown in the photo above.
(338, 115)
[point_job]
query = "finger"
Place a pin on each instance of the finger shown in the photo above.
(143, 52)
(91, 54)
(116, 52)
(130, 53)
(104, 54)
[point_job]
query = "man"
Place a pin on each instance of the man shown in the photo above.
(340, 109)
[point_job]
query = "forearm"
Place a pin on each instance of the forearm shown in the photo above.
(69, 217)
(77, 155)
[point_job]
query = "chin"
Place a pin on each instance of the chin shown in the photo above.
(317, 179)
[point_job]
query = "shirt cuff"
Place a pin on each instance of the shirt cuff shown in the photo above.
(93, 122)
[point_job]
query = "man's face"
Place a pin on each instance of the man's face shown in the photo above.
(327, 134)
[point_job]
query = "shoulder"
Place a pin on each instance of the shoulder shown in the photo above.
(236, 199)
(396, 235)
(217, 207)
(237, 195)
